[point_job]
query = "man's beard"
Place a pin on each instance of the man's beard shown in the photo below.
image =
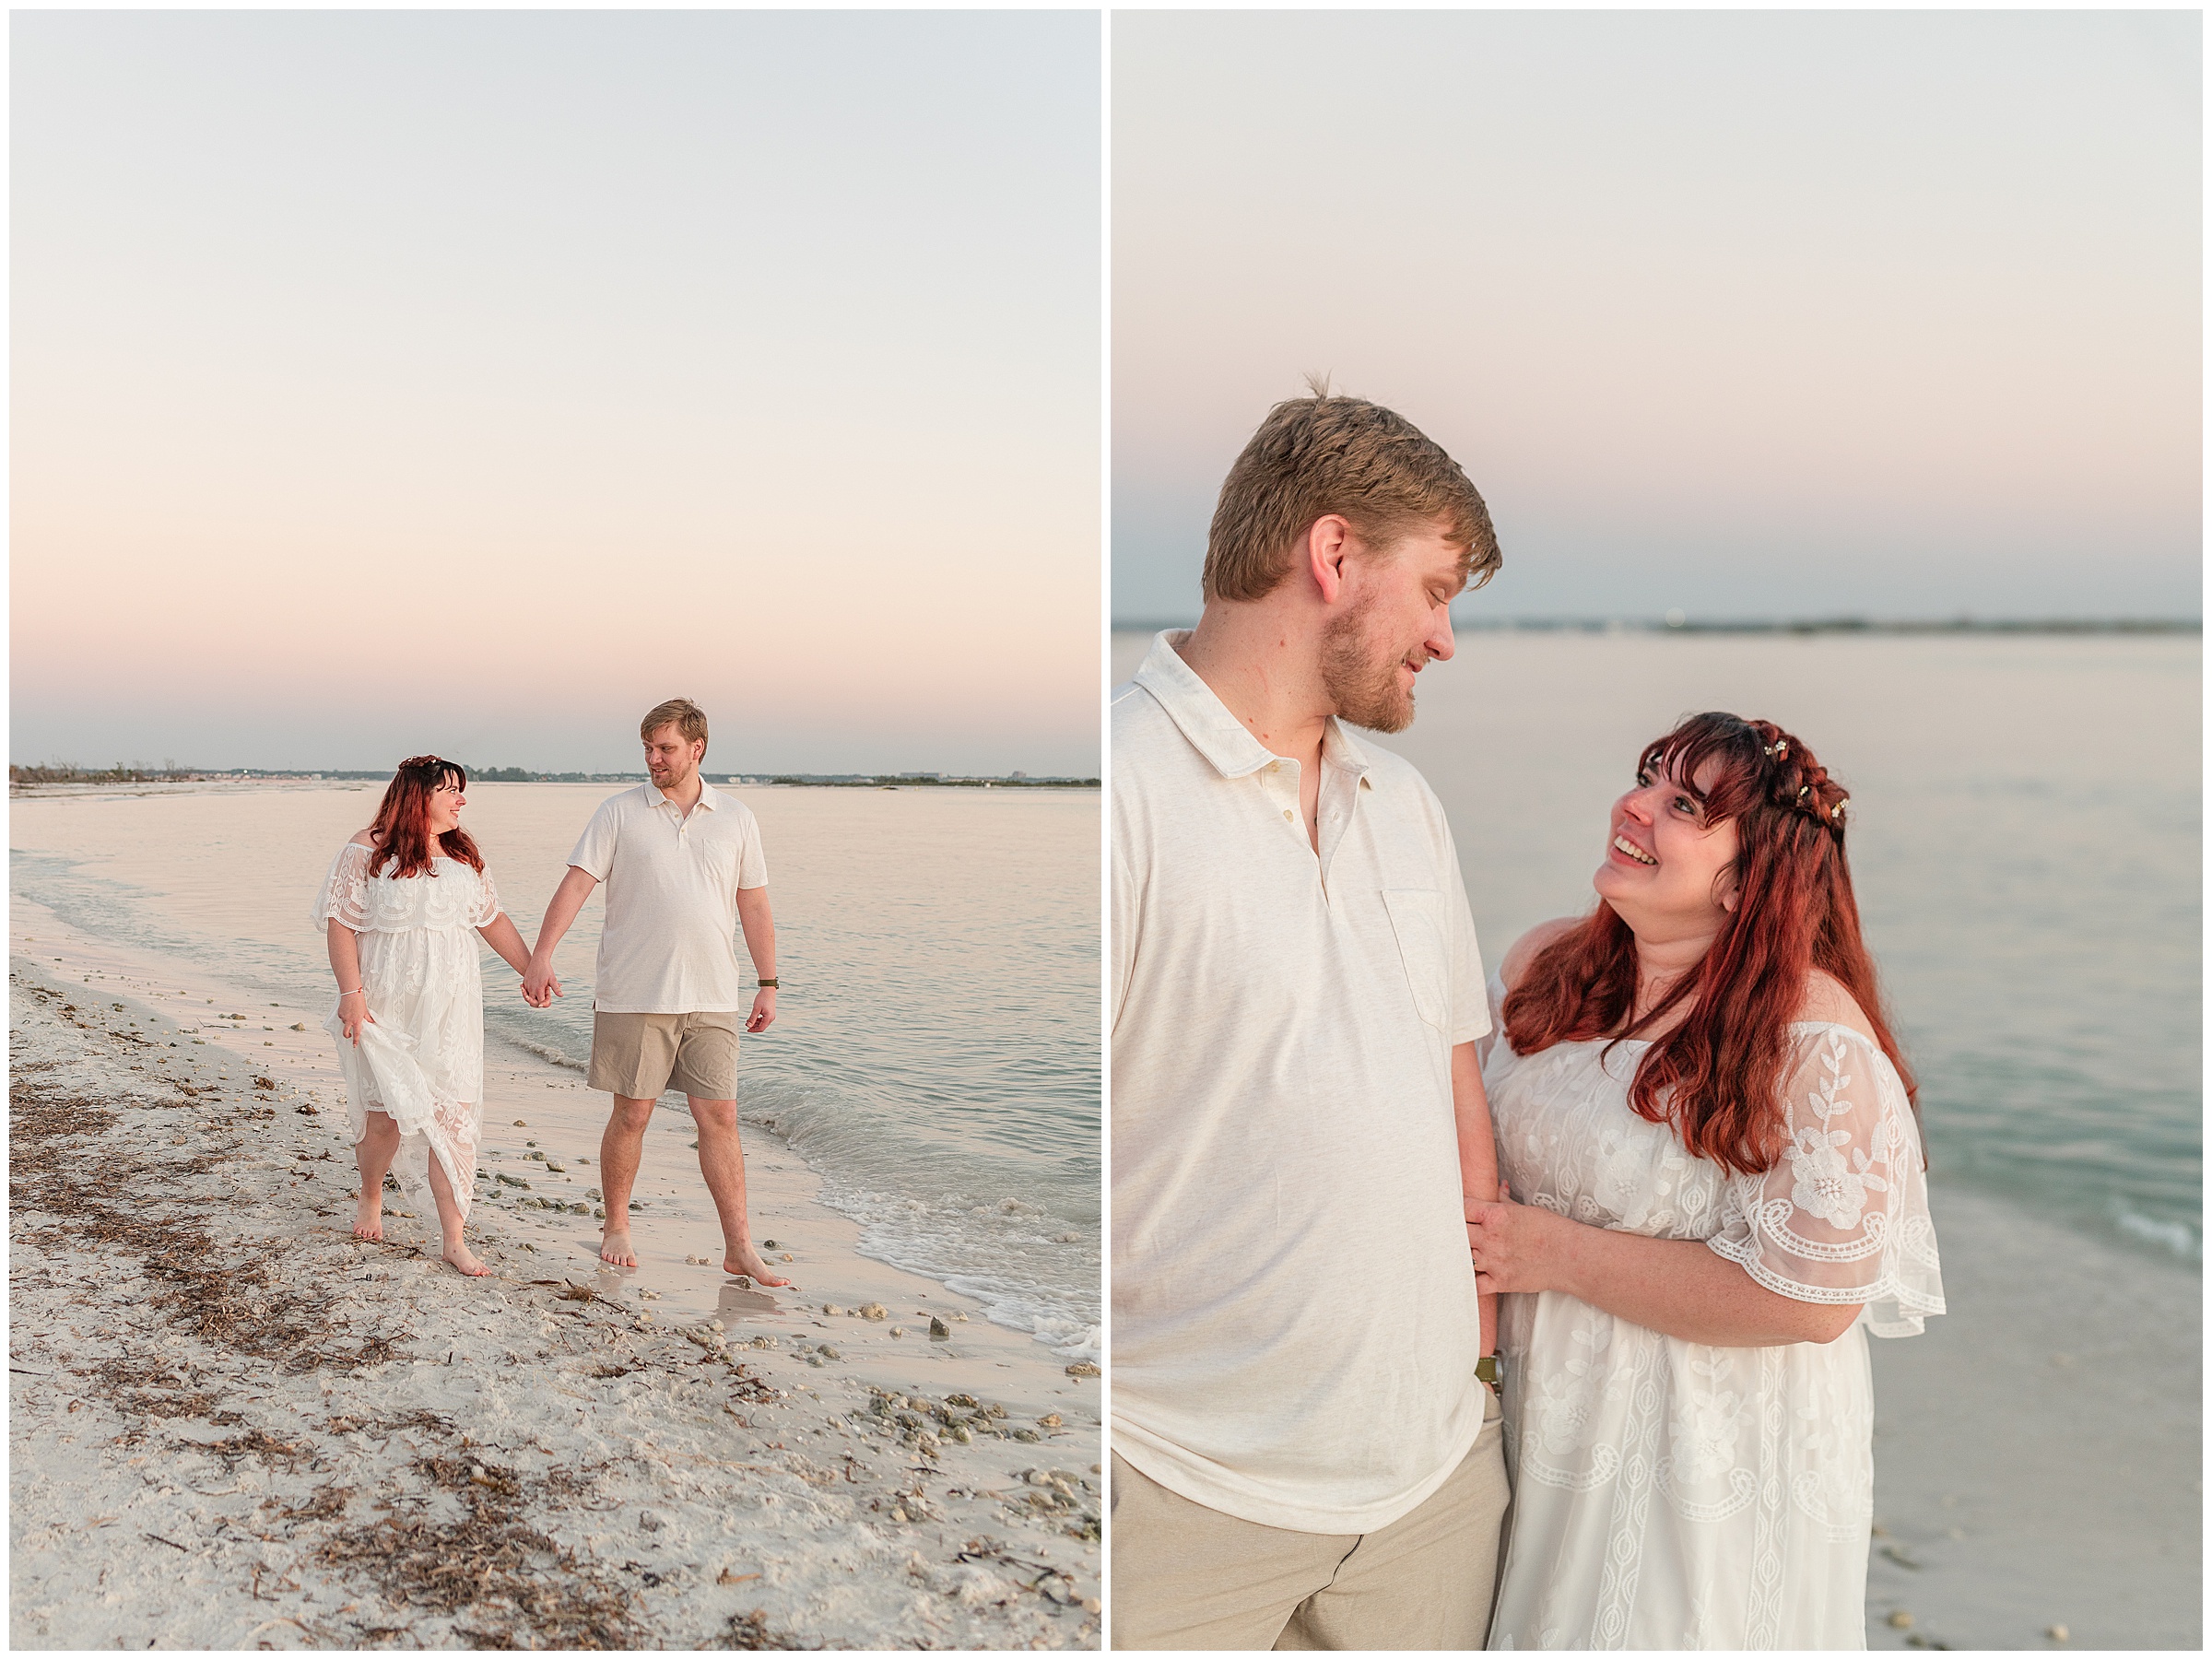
(1364, 691)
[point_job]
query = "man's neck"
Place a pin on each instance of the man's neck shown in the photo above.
(685, 794)
(1265, 667)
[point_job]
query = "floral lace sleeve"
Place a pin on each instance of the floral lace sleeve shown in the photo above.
(488, 903)
(345, 895)
(1843, 1215)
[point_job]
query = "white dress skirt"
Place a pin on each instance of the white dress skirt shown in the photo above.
(1670, 1494)
(422, 1059)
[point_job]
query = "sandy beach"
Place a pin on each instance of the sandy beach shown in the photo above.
(344, 1444)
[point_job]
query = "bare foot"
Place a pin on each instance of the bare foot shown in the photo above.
(743, 1259)
(615, 1247)
(368, 1215)
(465, 1260)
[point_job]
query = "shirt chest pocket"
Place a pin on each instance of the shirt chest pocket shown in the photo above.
(1416, 917)
(718, 862)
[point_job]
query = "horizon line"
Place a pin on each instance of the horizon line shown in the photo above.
(1678, 622)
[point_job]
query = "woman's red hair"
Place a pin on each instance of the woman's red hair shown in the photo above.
(1717, 1076)
(402, 830)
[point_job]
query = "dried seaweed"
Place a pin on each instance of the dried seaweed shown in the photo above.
(261, 1445)
(321, 1505)
(751, 1631)
(521, 1589)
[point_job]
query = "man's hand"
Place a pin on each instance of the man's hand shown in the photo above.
(764, 1010)
(541, 985)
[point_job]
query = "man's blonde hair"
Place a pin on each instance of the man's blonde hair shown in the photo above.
(1325, 453)
(689, 719)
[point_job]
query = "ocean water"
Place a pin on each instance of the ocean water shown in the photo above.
(2026, 842)
(935, 1054)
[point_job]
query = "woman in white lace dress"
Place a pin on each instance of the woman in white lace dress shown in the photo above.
(402, 908)
(1715, 1192)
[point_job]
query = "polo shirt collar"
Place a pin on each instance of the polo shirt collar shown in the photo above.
(708, 796)
(1217, 734)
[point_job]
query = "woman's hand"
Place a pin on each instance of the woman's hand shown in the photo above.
(1515, 1247)
(353, 1014)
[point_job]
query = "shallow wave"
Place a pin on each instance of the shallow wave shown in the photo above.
(2177, 1237)
(1019, 1235)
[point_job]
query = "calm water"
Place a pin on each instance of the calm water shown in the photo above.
(935, 1054)
(2026, 845)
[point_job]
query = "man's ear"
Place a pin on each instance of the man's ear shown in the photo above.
(1328, 544)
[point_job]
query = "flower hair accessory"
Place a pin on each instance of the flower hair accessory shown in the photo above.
(1778, 749)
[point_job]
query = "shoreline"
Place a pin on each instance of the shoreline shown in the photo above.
(809, 1470)
(2038, 1450)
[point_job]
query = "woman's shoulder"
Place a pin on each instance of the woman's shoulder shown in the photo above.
(362, 839)
(1826, 1003)
(1524, 950)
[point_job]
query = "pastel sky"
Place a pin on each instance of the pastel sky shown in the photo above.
(1749, 313)
(472, 382)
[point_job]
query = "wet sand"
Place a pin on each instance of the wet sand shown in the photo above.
(2038, 1451)
(347, 1445)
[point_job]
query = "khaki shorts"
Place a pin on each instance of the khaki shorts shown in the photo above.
(1187, 1577)
(641, 1056)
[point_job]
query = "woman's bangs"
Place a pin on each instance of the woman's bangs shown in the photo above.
(1682, 754)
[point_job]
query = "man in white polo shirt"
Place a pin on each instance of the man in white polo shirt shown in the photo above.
(683, 868)
(1305, 1455)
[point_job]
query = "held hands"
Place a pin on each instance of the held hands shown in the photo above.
(353, 1014)
(541, 985)
(1515, 1247)
(764, 1010)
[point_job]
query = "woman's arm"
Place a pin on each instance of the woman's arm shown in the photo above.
(346, 963)
(502, 936)
(1677, 1286)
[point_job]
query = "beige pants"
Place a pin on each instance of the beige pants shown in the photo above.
(1187, 1577)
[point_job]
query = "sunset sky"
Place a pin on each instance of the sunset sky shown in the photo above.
(472, 382)
(1749, 314)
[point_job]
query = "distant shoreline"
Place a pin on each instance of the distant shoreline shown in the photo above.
(60, 774)
(1677, 624)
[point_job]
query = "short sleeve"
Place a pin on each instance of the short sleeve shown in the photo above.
(487, 902)
(1125, 900)
(345, 895)
(752, 859)
(1495, 991)
(594, 851)
(1470, 989)
(1843, 1215)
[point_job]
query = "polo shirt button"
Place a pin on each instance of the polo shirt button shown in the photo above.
(1288, 814)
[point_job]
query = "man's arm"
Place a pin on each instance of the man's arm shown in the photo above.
(759, 926)
(540, 985)
(1477, 1161)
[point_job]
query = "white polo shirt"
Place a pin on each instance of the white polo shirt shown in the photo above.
(668, 945)
(1295, 1325)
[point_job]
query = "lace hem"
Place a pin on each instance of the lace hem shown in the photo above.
(1911, 1308)
(391, 1081)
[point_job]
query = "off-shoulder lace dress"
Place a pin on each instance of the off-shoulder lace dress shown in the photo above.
(1670, 1494)
(422, 1061)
